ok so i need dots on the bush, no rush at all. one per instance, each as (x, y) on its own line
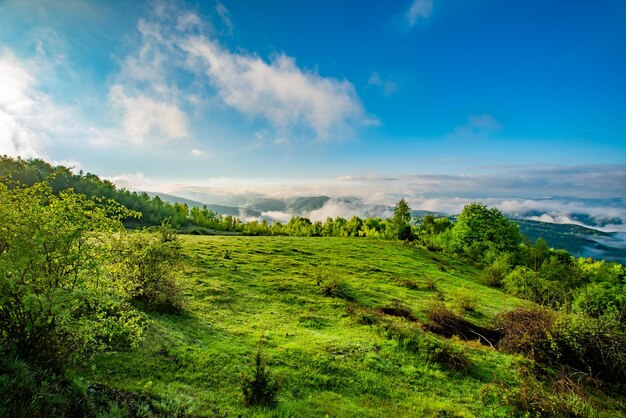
(151, 262)
(449, 324)
(261, 389)
(528, 284)
(446, 353)
(465, 300)
(493, 274)
(57, 301)
(597, 299)
(337, 289)
(528, 331)
(31, 391)
(333, 287)
(596, 346)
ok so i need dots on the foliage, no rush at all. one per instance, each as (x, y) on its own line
(57, 302)
(448, 354)
(261, 389)
(596, 346)
(151, 262)
(30, 391)
(401, 220)
(495, 272)
(603, 298)
(527, 331)
(479, 229)
(465, 300)
(154, 211)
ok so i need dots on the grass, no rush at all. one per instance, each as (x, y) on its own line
(325, 360)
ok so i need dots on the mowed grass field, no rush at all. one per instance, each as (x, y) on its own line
(328, 362)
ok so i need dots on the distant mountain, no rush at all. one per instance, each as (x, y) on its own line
(221, 209)
(578, 240)
(175, 199)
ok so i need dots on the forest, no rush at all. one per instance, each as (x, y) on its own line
(113, 303)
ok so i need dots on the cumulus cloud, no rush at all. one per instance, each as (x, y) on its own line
(278, 90)
(144, 115)
(175, 42)
(134, 181)
(420, 9)
(145, 89)
(197, 152)
(27, 115)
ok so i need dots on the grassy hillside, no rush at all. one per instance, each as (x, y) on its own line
(326, 357)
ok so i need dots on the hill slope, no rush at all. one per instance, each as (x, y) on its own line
(331, 355)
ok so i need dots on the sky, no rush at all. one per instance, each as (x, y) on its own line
(424, 99)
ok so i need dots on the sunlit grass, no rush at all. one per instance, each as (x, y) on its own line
(242, 289)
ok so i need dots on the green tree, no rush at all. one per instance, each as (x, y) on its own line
(480, 230)
(401, 220)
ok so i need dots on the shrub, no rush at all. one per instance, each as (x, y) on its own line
(363, 315)
(446, 353)
(493, 274)
(430, 285)
(597, 299)
(337, 289)
(527, 331)
(333, 287)
(465, 300)
(596, 346)
(57, 301)
(151, 262)
(528, 284)
(261, 389)
(31, 391)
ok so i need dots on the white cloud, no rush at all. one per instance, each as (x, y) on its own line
(134, 181)
(176, 42)
(278, 91)
(145, 88)
(420, 9)
(224, 15)
(277, 216)
(197, 152)
(144, 115)
(25, 112)
(388, 87)
(477, 127)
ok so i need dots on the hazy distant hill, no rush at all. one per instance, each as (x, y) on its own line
(578, 240)
(221, 209)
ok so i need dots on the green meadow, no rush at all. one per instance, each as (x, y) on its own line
(327, 361)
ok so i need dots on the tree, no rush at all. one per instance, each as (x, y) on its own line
(480, 230)
(401, 220)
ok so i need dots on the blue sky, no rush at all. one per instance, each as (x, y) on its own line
(414, 98)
